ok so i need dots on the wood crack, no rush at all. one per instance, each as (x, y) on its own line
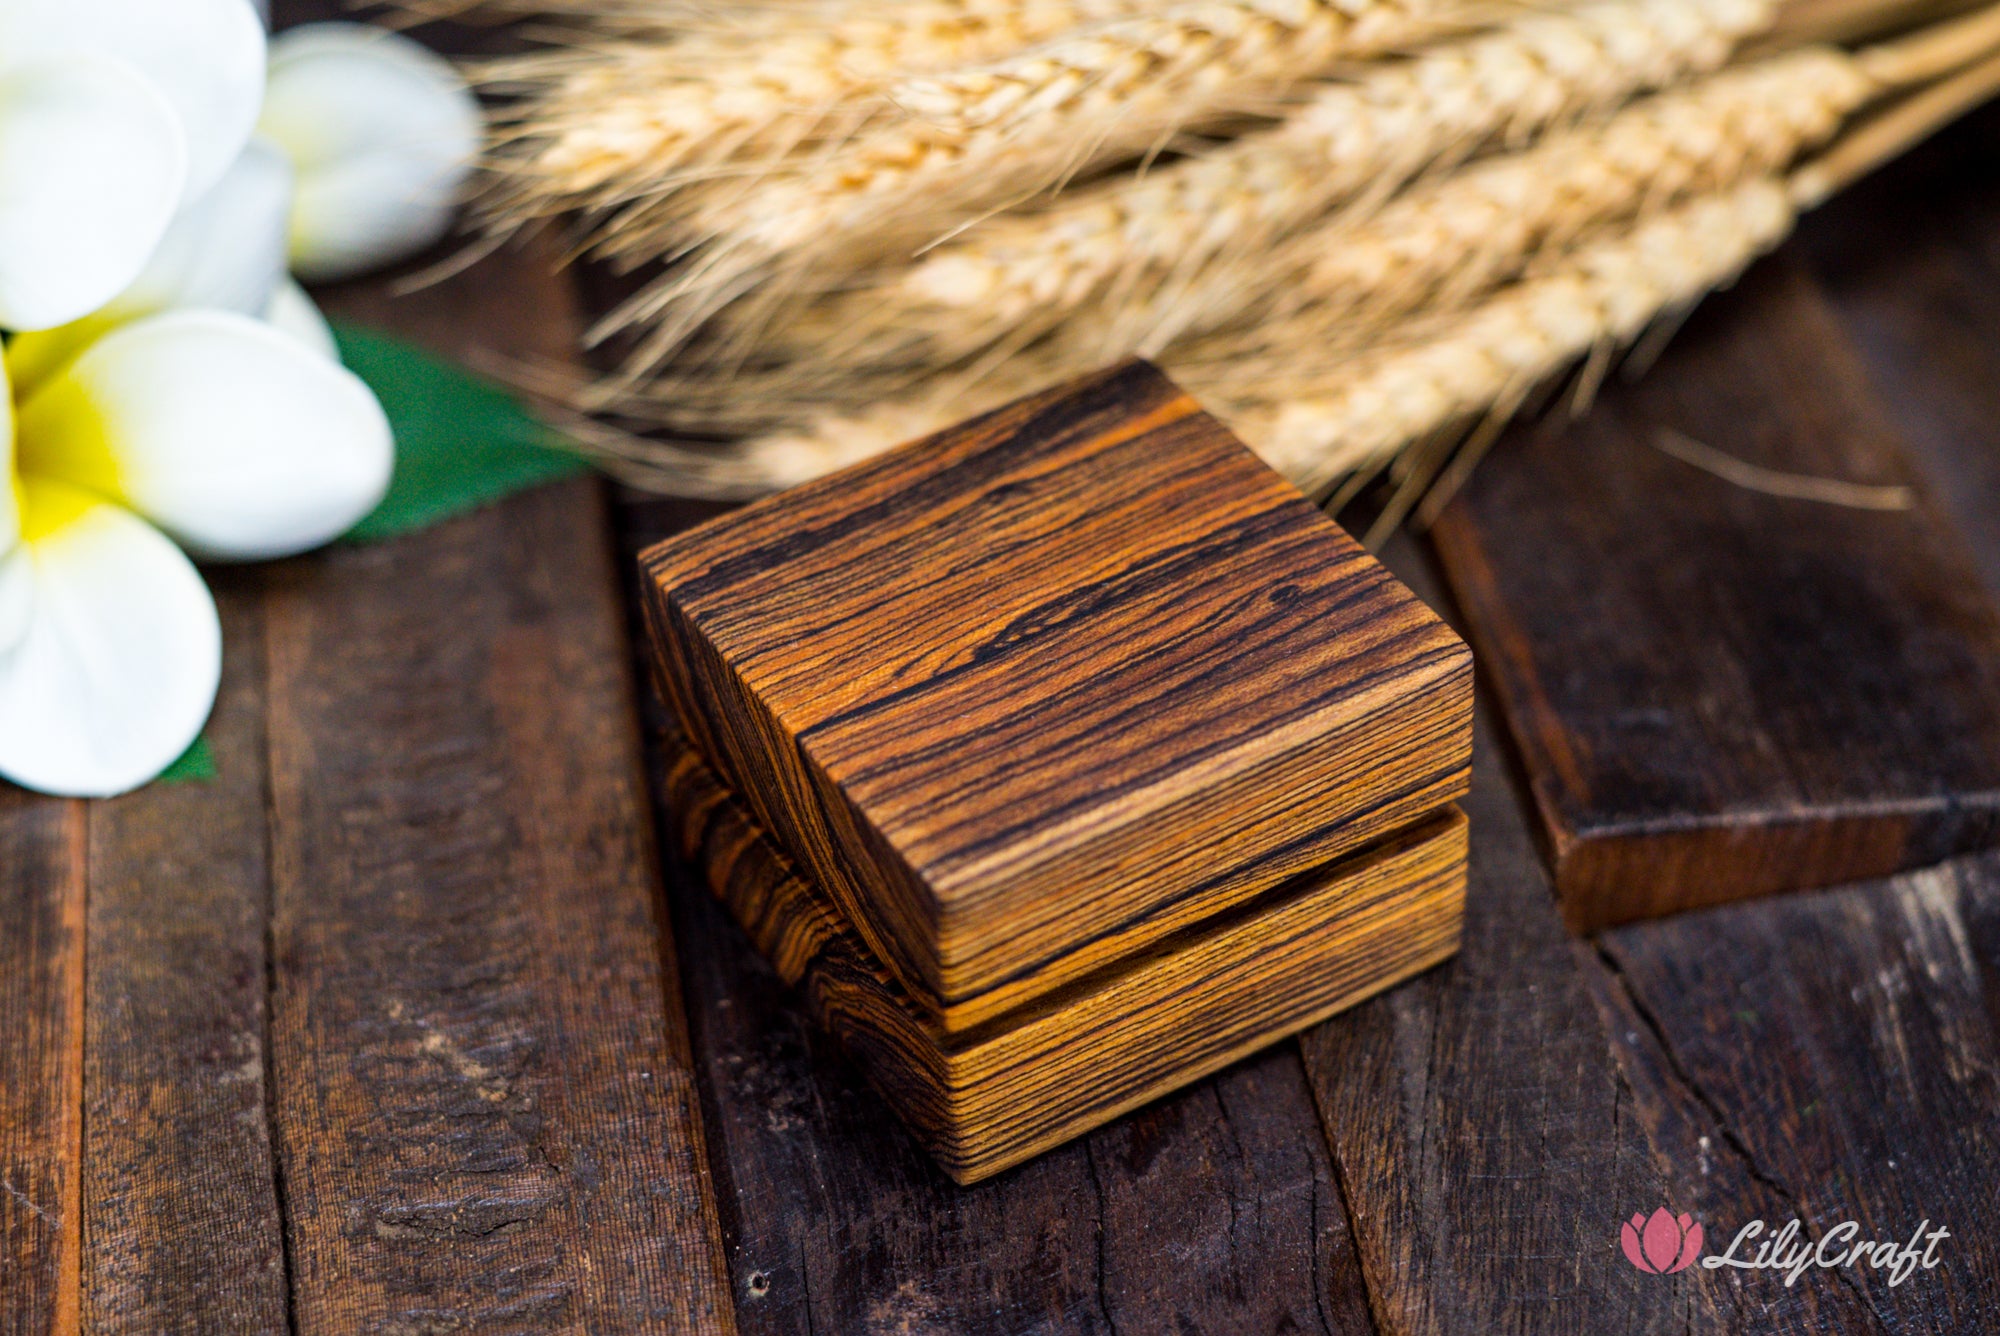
(1097, 1186)
(1713, 1110)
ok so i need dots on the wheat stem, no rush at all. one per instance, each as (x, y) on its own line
(1891, 132)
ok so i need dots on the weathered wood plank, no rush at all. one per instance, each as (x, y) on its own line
(839, 1222)
(1482, 1128)
(1830, 1058)
(181, 1224)
(1718, 692)
(487, 1116)
(42, 871)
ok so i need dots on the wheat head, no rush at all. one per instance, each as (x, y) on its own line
(1316, 418)
(649, 97)
(874, 179)
(1346, 280)
(1136, 238)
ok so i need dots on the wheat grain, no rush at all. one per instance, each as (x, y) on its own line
(1340, 284)
(1133, 260)
(778, 206)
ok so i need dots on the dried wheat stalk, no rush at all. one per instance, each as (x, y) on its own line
(1316, 419)
(1316, 425)
(1131, 242)
(1453, 237)
(1601, 228)
(651, 97)
(1342, 283)
(804, 164)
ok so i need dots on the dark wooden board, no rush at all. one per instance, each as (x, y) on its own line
(1031, 696)
(42, 860)
(181, 1223)
(987, 1099)
(486, 1113)
(1215, 1209)
(1717, 692)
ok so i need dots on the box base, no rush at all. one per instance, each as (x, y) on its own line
(984, 1099)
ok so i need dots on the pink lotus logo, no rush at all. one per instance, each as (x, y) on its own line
(1661, 1243)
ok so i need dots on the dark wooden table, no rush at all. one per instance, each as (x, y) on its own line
(398, 1025)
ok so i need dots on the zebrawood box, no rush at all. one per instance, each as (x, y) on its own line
(1062, 758)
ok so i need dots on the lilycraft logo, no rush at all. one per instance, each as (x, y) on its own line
(1663, 1243)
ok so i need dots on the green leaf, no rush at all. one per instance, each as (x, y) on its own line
(461, 442)
(196, 764)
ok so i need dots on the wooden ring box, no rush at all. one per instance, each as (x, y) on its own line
(1061, 759)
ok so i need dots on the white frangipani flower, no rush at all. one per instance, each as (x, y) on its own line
(382, 132)
(166, 385)
(225, 249)
(111, 113)
(237, 439)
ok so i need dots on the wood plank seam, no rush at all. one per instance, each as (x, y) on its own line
(279, 1186)
(69, 1300)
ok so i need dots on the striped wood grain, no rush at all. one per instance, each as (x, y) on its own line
(983, 1100)
(1035, 694)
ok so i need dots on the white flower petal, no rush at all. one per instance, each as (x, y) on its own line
(382, 131)
(291, 311)
(17, 595)
(225, 250)
(91, 166)
(205, 56)
(116, 668)
(229, 435)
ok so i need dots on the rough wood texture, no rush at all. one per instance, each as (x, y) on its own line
(1717, 692)
(41, 1061)
(984, 1100)
(1829, 1058)
(486, 1114)
(181, 1226)
(1037, 693)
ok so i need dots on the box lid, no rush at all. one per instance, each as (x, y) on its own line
(1033, 694)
